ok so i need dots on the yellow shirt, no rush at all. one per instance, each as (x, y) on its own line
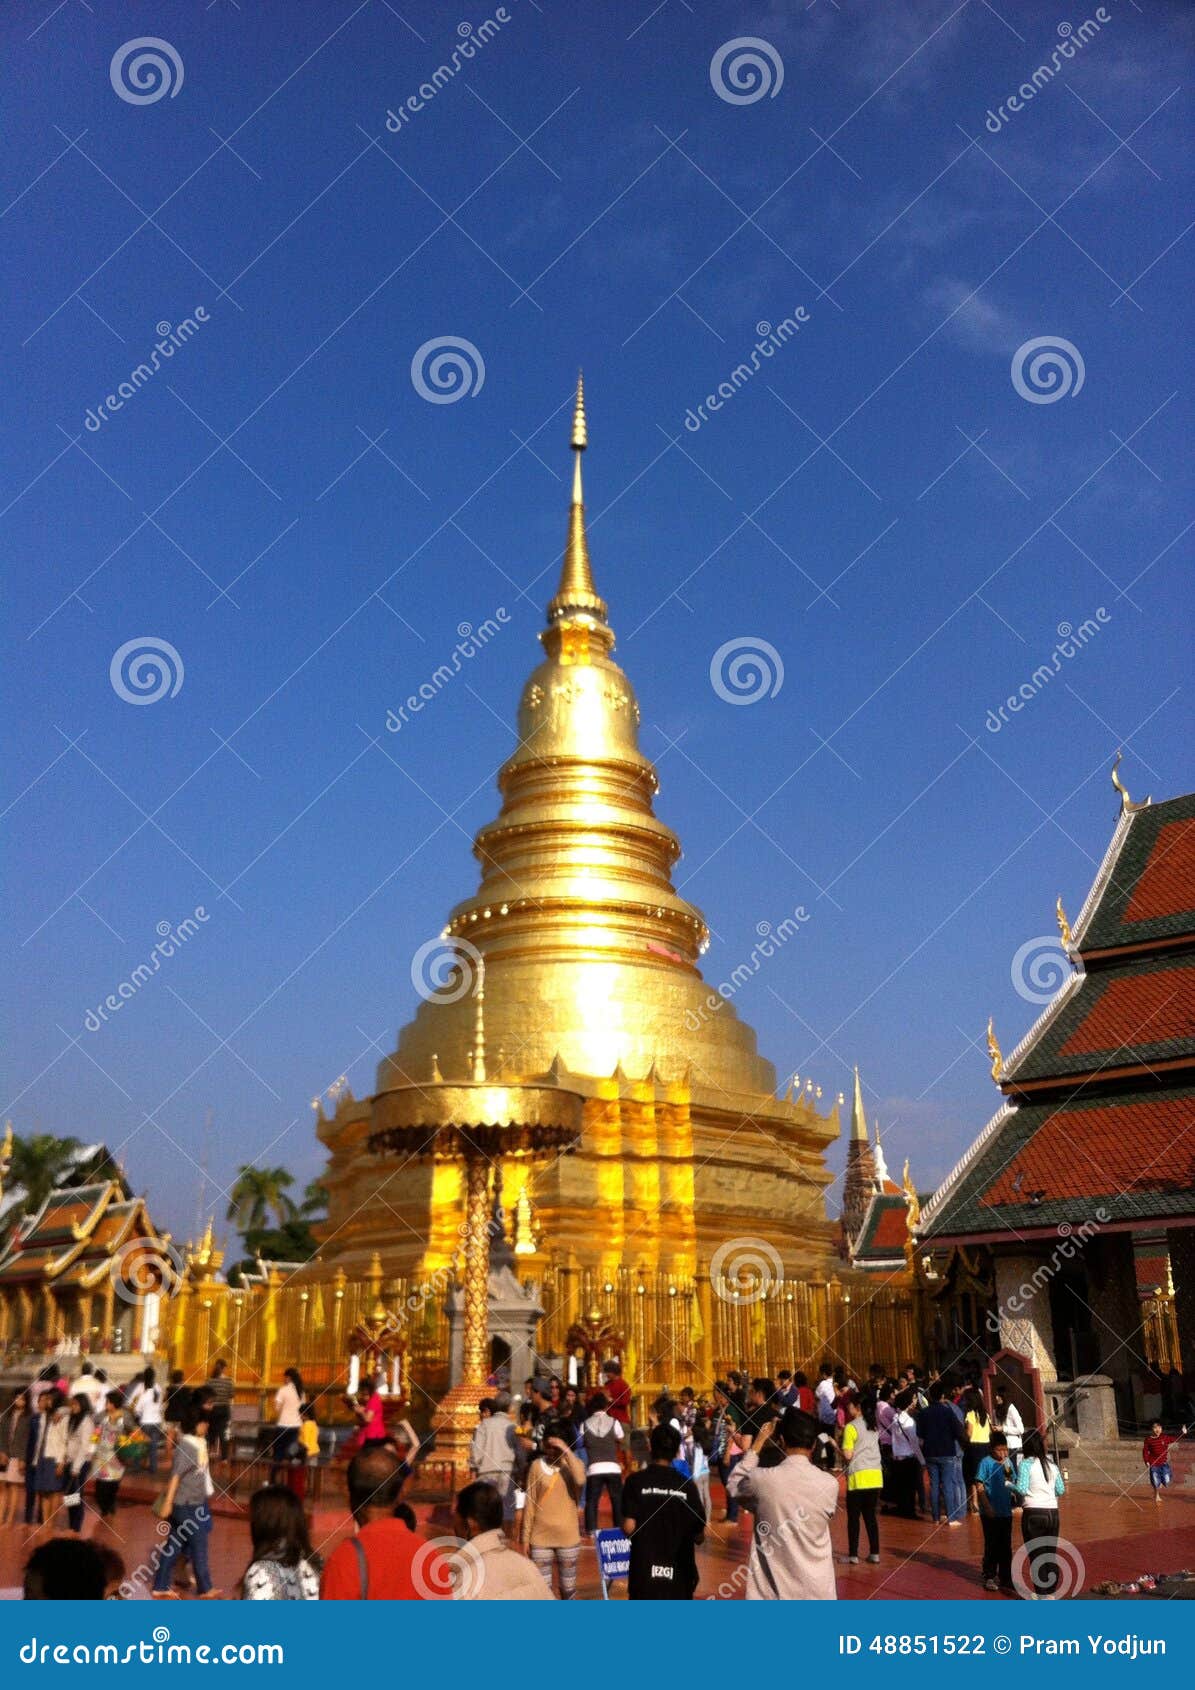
(309, 1438)
(868, 1478)
(975, 1432)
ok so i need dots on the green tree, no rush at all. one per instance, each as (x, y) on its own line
(41, 1162)
(256, 1195)
(315, 1201)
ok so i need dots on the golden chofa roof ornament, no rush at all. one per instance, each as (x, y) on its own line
(995, 1053)
(1064, 927)
(1126, 803)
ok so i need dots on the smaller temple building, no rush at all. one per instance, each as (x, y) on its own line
(86, 1271)
(1075, 1207)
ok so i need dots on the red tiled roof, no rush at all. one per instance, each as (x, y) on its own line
(1146, 1146)
(891, 1230)
(1137, 1009)
(1166, 882)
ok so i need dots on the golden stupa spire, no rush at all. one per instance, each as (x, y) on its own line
(858, 1118)
(577, 592)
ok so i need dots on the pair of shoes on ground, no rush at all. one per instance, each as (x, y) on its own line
(853, 1560)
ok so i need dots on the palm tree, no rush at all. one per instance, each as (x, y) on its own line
(315, 1201)
(256, 1194)
(39, 1164)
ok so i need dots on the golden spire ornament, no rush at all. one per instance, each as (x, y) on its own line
(995, 1053)
(1064, 927)
(912, 1201)
(1126, 803)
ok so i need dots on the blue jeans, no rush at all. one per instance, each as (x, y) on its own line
(189, 1529)
(154, 1434)
(946, 1482)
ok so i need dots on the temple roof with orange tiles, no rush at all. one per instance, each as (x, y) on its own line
(1099, 1117)
(75, 1237)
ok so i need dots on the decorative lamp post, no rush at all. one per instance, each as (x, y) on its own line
(476, 1124)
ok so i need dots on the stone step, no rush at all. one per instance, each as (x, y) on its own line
(1119, 1462)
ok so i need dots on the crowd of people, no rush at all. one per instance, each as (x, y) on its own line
(548, 1471)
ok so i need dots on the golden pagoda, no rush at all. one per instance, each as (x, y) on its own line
(595, 1013)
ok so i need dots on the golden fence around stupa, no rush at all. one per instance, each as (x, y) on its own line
(669, 1330)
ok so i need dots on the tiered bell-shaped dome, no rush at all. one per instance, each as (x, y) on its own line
(590, 953)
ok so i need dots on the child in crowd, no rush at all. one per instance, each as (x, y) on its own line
(993, 1478)
(306, 1453)
(1155, 1452)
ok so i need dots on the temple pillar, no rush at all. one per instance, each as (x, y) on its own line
(456, 1418)
(1022, 1313)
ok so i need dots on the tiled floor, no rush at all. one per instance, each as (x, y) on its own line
(1116, 1536)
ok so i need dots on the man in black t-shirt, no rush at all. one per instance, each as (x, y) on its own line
(663, 1516)
(760, 1423)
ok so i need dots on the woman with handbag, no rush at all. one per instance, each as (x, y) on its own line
(80, 1434)
(186, 1501)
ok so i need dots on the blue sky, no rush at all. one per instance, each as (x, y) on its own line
(879, 502)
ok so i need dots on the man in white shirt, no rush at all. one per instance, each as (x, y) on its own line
(89, 1385)
(827, 1420)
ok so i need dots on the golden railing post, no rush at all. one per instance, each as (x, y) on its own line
(338, 1284)
(269, 1315)
(705, 1344)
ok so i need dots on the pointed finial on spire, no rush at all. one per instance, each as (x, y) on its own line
(858, 1118)
(881, 1164)
(1126, 803)
(580, 434)
(577, 592)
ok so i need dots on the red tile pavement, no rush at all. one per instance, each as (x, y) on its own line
(1117, 1536)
